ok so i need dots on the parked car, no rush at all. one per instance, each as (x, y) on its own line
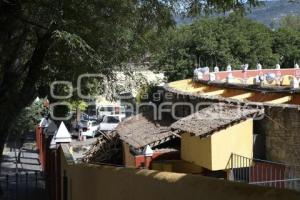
(89, 128)
(110, 122)
(83, 116)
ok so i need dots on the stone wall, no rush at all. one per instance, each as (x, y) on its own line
(281, 127)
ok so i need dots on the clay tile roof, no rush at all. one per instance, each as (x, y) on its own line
(214, 118)
(141, 130)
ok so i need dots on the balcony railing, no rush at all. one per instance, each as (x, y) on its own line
(263, 172)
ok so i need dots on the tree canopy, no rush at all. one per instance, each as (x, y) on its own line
(26, 121)
(220, 41)
(287, 46)
(42, 41)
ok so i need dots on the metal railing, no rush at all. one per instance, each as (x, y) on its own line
(263, 172)
(23, 186)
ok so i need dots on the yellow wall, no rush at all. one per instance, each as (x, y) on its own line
(179, 166)
(86, 181)
(196, 150)
(129, 160)
(188, 85)
(286, 80)
(214, 152)
(162, 166)
(237, 139)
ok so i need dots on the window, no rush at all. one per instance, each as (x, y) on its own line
(108, 109)
(84, 123)
(111, 120)
(94, 123)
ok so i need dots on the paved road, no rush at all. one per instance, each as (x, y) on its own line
(34, 187)
(28, 162)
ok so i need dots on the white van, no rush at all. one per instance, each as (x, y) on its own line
(105, 110)
(110, 122)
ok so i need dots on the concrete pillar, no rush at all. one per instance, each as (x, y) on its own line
(294, 83)
(245, 67)
(216, 69)
(256, 80)
(230, 78)
(228, 68)
(259, 66)
(206, 70)
(212, 77)
(61, 136)
(196, 73)
(199, 75)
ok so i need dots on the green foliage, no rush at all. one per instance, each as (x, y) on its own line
(199, 7)
(28, 119)
(79, 104)
(44, 41)
(95, 36)
(145, 93)
(287, 46)
(215, 41)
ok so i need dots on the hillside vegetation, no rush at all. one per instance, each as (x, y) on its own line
(231, 40)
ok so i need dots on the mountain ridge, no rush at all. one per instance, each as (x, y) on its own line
(274, 11)
(270, 13)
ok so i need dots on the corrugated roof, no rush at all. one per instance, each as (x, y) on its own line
(213, 118)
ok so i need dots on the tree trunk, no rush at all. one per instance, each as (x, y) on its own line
(14, 99)
(78, 114)
(7, 117)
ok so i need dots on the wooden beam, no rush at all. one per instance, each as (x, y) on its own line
(243, 96)
(281, 100)
(216, 92)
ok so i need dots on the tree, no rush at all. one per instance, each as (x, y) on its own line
(28, 118)
(287, 46)
(215, 41)
(42, 41)
(198, 7)
(287, 41)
